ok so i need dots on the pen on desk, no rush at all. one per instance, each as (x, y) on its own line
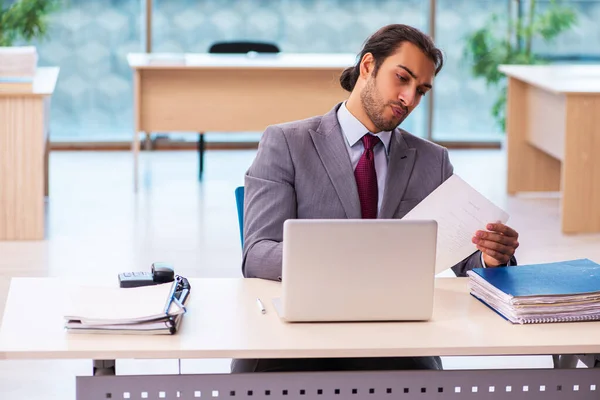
(261, 307)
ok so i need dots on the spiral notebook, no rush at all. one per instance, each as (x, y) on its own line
(567, 291)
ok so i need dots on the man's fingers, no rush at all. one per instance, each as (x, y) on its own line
(495, 246)
(503, 229)
(496, 237)
(499, 243)
(502, 258)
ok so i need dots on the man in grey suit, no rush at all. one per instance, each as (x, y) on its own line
(353, 162)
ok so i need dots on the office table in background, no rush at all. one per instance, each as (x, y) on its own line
(223, 321)
(24, 146)
(553, 128)
(231, 93)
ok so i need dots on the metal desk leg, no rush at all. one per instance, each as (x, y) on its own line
(104, 367)
(590, 360)
(564, 361)
(201, 148)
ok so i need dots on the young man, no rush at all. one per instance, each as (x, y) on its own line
(354, 162)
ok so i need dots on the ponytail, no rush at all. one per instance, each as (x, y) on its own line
(349, 77)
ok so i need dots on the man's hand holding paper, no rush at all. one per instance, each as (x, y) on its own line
(498, 244)
(465, 225)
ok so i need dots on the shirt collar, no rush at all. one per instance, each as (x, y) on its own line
(354, 130)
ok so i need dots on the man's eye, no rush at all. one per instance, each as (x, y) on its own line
(403, 79)
(421, 92)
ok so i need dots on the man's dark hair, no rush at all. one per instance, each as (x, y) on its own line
(384, 43)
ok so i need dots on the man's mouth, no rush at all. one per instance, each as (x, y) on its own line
(399, 112)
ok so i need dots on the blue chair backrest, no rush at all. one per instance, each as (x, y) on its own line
(239, 201)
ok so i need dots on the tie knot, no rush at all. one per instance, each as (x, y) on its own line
(370, 141)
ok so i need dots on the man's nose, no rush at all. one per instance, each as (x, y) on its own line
(407, 97)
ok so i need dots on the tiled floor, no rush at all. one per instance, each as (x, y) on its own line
(97, 225)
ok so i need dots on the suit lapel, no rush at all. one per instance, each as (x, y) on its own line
(330, 146)
(400, 166)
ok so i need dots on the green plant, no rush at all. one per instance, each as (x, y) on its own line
(24, 20)
(508, 39)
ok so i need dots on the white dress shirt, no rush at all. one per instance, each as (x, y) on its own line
(353, 131)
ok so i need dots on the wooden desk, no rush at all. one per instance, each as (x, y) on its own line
(231, 93)
(553, 127)
(223, 321)
(24, 146)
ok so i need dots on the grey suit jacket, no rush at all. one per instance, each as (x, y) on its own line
(303, 170)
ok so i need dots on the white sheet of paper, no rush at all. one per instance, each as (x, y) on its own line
(459, 211)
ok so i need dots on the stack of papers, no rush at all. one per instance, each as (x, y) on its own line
(141, 310)
(567, 291)
(18, 61)
(18, 66)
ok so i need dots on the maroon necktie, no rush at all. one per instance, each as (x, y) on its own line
(366, 178)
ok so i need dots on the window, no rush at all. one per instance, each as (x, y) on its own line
(462, 106)
(89, 41)
(296, 26)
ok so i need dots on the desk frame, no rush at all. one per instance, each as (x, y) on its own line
(523, 384)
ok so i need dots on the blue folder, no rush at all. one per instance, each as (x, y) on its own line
(572, 286)
(559, 278)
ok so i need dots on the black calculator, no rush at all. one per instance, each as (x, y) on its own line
(160, 272)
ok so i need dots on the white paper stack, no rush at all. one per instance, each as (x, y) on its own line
(140, 310)
(18, 62)
(17, 68)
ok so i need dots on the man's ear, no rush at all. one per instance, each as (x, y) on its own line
(367, 65)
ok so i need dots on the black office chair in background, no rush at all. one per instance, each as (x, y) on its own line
(237, 47)
(243, 47)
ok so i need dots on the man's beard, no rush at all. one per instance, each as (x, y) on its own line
(375, 108)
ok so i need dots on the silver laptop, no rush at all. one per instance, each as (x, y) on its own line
(357, 270)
